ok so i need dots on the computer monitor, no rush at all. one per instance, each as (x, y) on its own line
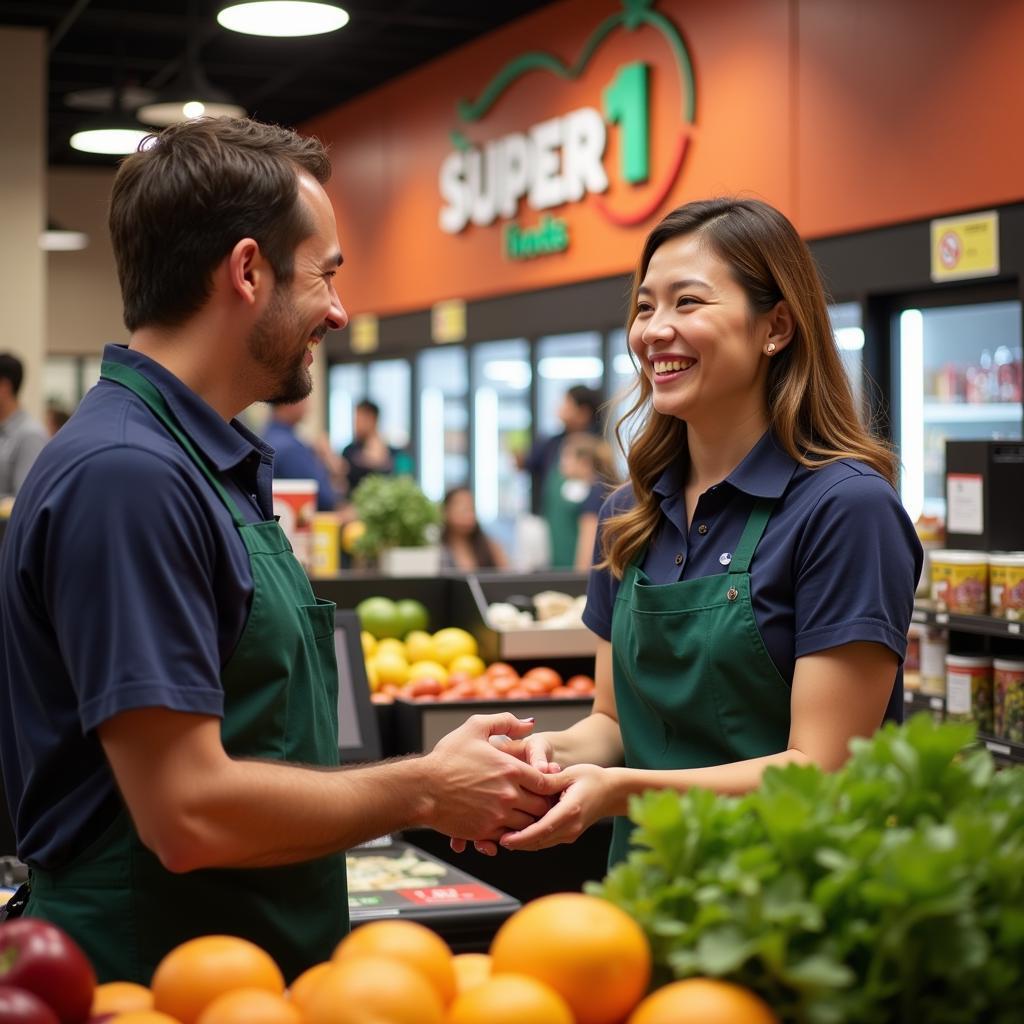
(358, 732)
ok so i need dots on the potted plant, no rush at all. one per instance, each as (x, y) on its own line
(400, 526)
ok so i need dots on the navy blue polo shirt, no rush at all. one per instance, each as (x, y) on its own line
(838, 562)
(123, 584)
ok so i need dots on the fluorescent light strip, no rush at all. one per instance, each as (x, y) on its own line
(912, 411)
(485, 455)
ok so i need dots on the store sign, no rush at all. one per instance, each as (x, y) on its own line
(563, 160)
(965, 246)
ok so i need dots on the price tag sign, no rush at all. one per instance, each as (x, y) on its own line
(449, 895)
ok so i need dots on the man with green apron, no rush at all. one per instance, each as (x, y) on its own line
(168, 694)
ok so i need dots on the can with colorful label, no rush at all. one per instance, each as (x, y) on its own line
(295, 506)
(326, 559)
(934, 648)
(960, 581)
(969, 696)
(1009, 699)
(1006, 584)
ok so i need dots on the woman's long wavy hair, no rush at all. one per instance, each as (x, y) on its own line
(810, 405)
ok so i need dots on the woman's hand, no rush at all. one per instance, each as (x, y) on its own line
(588, 793)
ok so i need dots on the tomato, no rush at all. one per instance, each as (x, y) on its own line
(581, 684)
(500, 668)
(20, 1007)
(519, 693)
(42, 959)
(548, 678)
(425, 687)
(535, 686)
(502, 684)
(563, 693)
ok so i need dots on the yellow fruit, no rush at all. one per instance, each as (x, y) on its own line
(391, 645)
(428, 670)
(369, 644)
(120, 997)
(411, 943)
(350, 533)
(452, 642)
(471, 664)
(371, 676)
(390, 668)
(510, 999)
(588, 950)
(703, 999)
(471, 969)
(419, 646)
(362, 989)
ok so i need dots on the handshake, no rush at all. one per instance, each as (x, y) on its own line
(491, 783)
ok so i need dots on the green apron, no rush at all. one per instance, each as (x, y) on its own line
(694, 684)
(563, 519)
(280, 703)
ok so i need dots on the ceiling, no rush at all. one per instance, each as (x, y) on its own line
(142, 44)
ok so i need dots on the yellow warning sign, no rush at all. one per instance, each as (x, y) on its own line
(965, 246)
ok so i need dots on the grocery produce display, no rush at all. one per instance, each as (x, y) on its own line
(550, 609)
(569, 958)
(891, 890)
(404, 660)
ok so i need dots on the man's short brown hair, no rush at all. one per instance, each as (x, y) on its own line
(181, 204)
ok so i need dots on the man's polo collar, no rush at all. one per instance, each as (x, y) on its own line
(224, 444)
(765, 472)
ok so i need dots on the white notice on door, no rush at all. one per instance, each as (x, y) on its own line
(965, 503)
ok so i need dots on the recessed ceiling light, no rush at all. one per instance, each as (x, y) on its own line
(283, 18)
(109, 141)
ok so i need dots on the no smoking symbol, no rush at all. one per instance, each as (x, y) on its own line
(949, 249)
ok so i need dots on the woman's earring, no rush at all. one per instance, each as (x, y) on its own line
(770, 350)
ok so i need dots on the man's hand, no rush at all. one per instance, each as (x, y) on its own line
(587, 794)
(478, 790)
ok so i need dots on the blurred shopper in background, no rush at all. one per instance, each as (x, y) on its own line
(56, 417)
(758, 570)
(464, 545)
(579, 413)
(587, 467)
(296, 460)
(21, 437)
(369, 453)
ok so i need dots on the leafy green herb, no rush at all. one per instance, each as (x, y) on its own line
(396, 513)
(889, 891)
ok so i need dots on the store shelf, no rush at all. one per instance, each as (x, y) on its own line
(1004, 749)
(985, 625)
(964, 412)
(915, 701)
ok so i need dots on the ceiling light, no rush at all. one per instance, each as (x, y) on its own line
(283, 18)
(189, 96)
(58, 239)
(110, 141)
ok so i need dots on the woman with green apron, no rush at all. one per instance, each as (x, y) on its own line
(757, 573)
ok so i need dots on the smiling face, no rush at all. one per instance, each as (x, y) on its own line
(301, 311)
(696, 338)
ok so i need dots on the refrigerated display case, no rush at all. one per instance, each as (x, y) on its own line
(959, 378)
(563, 361)
(501, 377)
(389, 385)
(443, 434)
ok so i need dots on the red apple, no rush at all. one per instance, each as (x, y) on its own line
(42, 959)
(20, 1007)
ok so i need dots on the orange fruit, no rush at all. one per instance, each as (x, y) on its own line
(412, 943)
(510, 999)
(121, 997)
(251, 1006)
(193, 974)
(365, 989)
(302, 987)
(588, 950)
(145, 1017)
(470, 970)
(706, 1000)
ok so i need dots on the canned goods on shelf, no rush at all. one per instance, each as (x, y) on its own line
(960, 581)
(969, 696)
(1006, 584)
(1008, 685)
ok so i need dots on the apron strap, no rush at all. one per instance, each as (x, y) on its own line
(752, 534)
(134, 381)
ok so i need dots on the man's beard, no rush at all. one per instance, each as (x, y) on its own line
(290, 381)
